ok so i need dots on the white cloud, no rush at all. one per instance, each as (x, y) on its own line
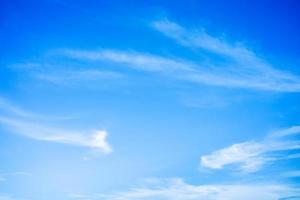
(236, 75)
(132, 59)
(246, 58)
(65, 73)
(10, 108)
(37, 131)
(251, 156)
(201, 39)
(247, 154)
(241, 68)
(32, 128)
(176, 189)
(218, 45)
(246, 69)
(286, 132)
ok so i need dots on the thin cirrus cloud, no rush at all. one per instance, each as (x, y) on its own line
(251, 156)
(177, 189)
(10, 108)
(65, 74)
(27, 124)
(241, 69)
(245, 58)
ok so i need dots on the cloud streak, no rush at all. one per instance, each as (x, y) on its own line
(30, 127)
(251, 156)
(239, 53)
(65, 73)
(12, 109)
(239, 66)
(34, 130)
(231, 75)
(257, 72)
(242, 68)
(177, 189)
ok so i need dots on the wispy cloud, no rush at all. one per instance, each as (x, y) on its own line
(171, 67)
(251, 156)
(131, 59)
(242, 57)
(285, 132)
(177, 189)
(199, 38)
(232, 74)
(244, 69)
(65, 73)
(10, 108)
(240, 67)
(245, 63)
(33, 128)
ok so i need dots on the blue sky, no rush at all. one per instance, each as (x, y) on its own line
(160, 100)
